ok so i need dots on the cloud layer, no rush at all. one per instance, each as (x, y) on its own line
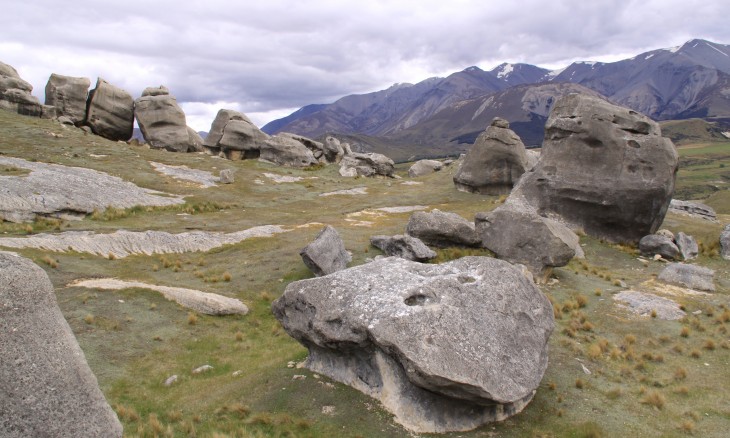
(270, 58)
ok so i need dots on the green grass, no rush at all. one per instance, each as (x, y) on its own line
(136, 338)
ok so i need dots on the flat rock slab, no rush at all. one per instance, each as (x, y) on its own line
(691, 276)
(203, 302)
(46, 386)
(201, 177)
(644, 304)
(444, 347)
(355, 191)
(53, 189)
(124, 243)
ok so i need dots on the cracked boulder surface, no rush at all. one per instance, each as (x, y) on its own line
(444, 347)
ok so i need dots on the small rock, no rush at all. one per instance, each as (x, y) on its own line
(170, 380)
(666, 233)
(424, 167)
(687, 246)
(403, 246)
(299, 377)
(328, 410)
(237, 373)
(226, 176)
(202, 369)
(326, 254)
(654, 244)
(290, 364)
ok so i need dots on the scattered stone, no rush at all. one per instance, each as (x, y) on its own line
(290, 364)
(123, 243)
(202, 369)
(226, 176)
(604, 169)
(282, 178)
(202, 302)
(68, 95)
(654, 244)
(47, 387)
(696, 209)
(411, 183)
(355, 191)
(424, 167)
(442, 229)
(403, 246)
(170, 380)
(687, 246)
(328, 410)
(68, 192)
(15, 93)
(516, 233)
(201, 177)
(725, 242)
(326, 254)
(444, 347)
(163, 122)
(298, 377)
(110, 111)
(646, 304)
(691, 276)
(371, 164)
(68, 121)
(237, 373)
(585, 369)
(495, 162)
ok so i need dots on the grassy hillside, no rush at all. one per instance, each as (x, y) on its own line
(648, 377)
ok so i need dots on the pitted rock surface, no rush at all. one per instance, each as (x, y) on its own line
(46, 388)
(444, 347)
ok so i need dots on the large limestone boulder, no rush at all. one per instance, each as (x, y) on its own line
(370, 164)
(442, 229)
(163, 123)
(424, 167)
(725, 242)
(110, 111)
(333, 150)
(68, 95)
(15, 93)
(326, 253)
(219, 123)
(691, 276)
(516, 233)
(403, 246)
(444, 347)
(494, 163)
(287, 151)
(316, 147)
(603, 168)
(47, 388)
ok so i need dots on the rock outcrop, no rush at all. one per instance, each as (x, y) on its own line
(286, 151)
(68, 95)
(424, 167)
(326, 254)
(110, 111)
(316, 147)
(15, 93)
(163, 123)
(444, 347)
(442, 229)
(495, 162)
(516, 233)
(646, 304)
(403, 246)
(696, 209)
(691, 276)
(370, 164)
(725, 242)
(604, 169)
(654, 244)
(333, 150)
(68, 192)
(47, 387)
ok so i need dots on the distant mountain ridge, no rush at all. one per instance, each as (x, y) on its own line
(691, 80)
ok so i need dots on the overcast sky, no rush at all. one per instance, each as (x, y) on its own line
(267, 58)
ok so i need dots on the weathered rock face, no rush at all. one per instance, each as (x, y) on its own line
(241, 140)
(444, 347)
(333, 150)
(662, 245)
(15, 93)
(494, 163)
(516, 233)
(163, 123)
(725, 242)
(370, 164)
(286, 151)
(442, 229)
(316, 147)
(46, 386)
(68, 95)
(424, 167)
(691, 276)
(110, 111)
(603, 168)
(696, 209)
(687, 246)
(403, 246)
(326, 254)
(219, 123)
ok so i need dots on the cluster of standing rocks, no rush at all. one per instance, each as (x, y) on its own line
(444, 347)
